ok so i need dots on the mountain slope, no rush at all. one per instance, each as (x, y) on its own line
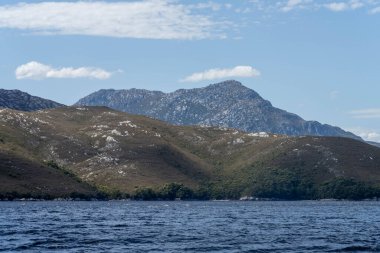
(18, 100)
(225, 104)
(115, 151)
(24, 178)
(376, 144)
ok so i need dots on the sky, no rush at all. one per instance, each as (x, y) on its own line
(319, 59)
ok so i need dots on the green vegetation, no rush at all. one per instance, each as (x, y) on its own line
(112, 155)
(341, 188)
(145, 193)
(335, 189)
(276, 183)
(54, 165)
(171, 191)
(270, 189)
(112, 193)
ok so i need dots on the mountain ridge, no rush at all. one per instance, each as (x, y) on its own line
(120, 152)
(19, 100)
(225, 104)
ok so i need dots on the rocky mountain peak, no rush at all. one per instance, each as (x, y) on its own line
(231, 87)
(225, 104)
(230, 84)
(18, 100)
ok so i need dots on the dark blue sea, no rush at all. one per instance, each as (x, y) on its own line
(126, 226)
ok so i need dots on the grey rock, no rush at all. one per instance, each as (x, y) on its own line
(18, 100)
(225, 104)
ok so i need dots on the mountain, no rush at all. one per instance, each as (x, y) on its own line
(376, 144)
(225, 104)
(120, 153)
(18, 100)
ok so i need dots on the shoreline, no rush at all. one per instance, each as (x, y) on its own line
(187, 200)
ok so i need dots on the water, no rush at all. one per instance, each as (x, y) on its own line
(190, 226)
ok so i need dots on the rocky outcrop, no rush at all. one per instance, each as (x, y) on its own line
(225, 104)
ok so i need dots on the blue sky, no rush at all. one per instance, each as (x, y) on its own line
(318, 59)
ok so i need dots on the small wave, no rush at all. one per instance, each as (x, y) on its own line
(356, 248)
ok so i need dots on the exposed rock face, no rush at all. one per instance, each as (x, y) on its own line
(225, 104)
(18, 100)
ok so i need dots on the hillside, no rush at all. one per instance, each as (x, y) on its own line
(376, 144)
(18, 100)
(24, 178)
(225, 104)
(122, 153)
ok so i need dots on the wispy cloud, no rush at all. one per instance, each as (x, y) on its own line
(293, 4)
(366, 134)
(212, 74)
(375, 10)
(336, 6)
(342, 6)
(315, 5)
(370, 113)
(149, 19)
(39, 71)
(207, 5)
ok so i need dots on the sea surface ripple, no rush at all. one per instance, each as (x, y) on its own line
(233, 226)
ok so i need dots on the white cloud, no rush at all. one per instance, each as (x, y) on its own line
(207, 5)
(356, 4)
(292, 4)
(315, 5)
(38, 71)
(342, 6)
(336, 6)
(375, 10)
(370, 113)
(149, 19)
(366, 134)
(212, 74)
